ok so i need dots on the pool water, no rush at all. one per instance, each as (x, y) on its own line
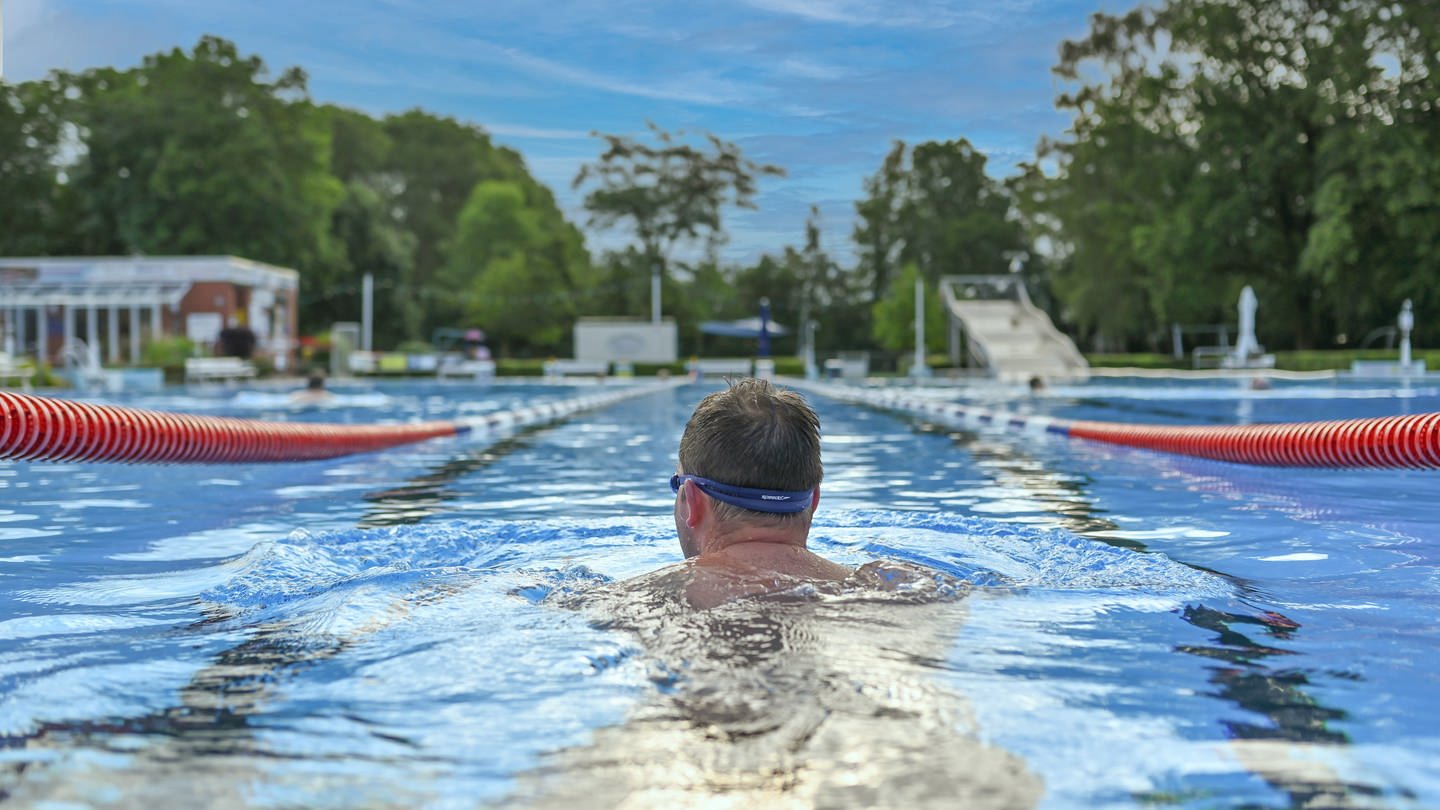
(469, 622)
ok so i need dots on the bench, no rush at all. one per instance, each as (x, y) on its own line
(457, 367)
(562, 368)
(202, 369)
(849, 368)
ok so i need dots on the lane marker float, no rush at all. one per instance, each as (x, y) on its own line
(36, 428)
(1411, 441)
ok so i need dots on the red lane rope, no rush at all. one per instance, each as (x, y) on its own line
(1380, 442)
(41, 429)
(1387, 441)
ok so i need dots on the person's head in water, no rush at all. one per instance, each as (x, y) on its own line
(752, 453)
(314, 390)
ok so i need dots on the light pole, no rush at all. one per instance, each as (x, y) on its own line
(367, 312)
(1406, 322)
(918, 368)
(812, 372)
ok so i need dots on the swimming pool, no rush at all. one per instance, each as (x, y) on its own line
(401, 628)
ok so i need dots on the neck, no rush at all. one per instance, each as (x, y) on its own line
(751, 537)
(769, 552)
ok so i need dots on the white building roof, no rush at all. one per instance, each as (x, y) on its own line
(126, 281)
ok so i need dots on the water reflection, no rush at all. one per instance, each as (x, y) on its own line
(1273, 751)
(1013, 472)
(216, 739)
(803, 700)
(425, 495)
(1282, 750)
(199, 752)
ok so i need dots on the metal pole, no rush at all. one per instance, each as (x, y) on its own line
(919, 369)
(69, 329)
(135, 334)
(812, 371)
(367, 311)
(92, 332)
(1406, 322)
(655, 293)
(112, 328)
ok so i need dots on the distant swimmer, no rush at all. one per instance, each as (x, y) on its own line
(314, 390)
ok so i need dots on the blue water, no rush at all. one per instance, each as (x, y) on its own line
(457, 623)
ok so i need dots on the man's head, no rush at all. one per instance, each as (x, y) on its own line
(754, 436)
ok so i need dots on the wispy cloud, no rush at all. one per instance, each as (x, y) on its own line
(885, 14)
(540, 133)
(820, 87)
(802, 68)
(694, 88)
(831, 11)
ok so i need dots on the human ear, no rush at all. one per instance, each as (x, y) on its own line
(696, 504)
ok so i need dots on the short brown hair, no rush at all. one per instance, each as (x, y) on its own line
(753, 435)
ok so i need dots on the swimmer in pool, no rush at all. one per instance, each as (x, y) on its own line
(314, 390)
(746, 489)
(788, 680)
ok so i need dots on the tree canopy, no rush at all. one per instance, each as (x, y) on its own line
(206, 153)
(1291, 145)
(1287, 145)
(670, 192)
(931, 209)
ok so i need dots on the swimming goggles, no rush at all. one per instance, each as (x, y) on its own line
(760, 500)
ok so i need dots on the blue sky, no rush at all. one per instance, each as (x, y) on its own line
(819, 87)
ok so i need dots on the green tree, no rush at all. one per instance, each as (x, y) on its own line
(670, 192)
(935, 210)
(369, 238)
(955, 218)
(1219, 143)
(778, 279)
(31, 124)
(205, 153)
(622, 284)
(199, 154)
(894, 315)
(433, 165)
(826, 292)
(519, 273)
(878, 237)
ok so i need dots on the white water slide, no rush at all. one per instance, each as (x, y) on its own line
(1009, 335)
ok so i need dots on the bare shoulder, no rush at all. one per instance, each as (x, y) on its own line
(894, 576)
(701, 584)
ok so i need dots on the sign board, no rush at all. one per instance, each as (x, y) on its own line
(204, 327)
(625, 340)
